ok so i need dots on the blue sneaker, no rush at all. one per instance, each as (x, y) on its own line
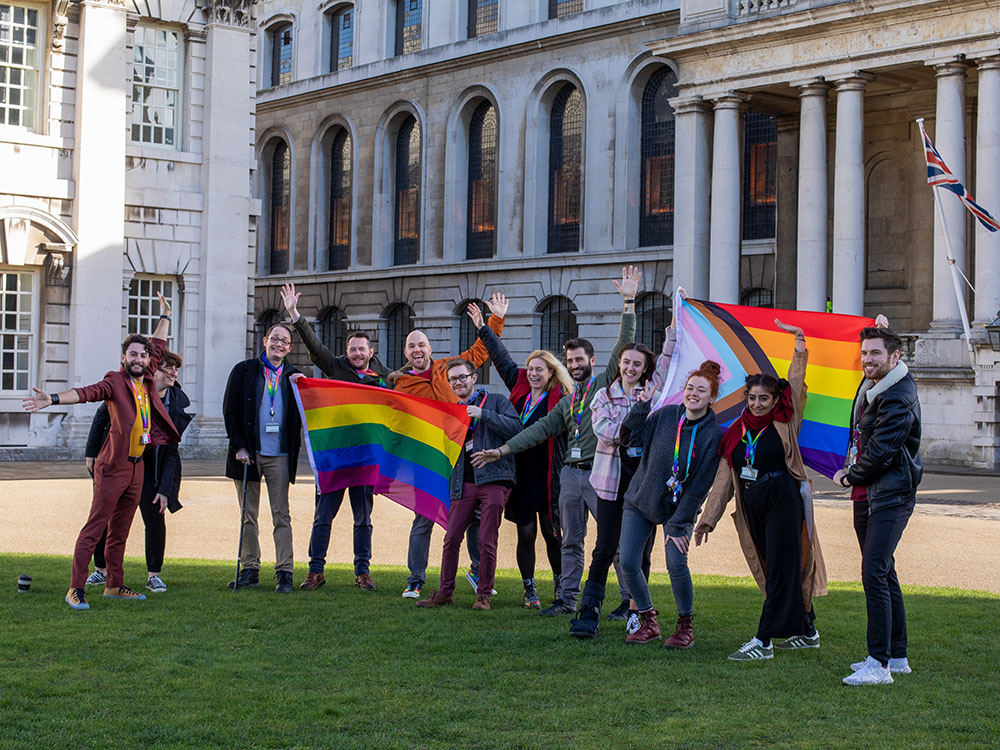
(412, 591)
(474, 582)
(76, 599)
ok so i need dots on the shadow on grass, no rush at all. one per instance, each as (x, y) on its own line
(201, 667)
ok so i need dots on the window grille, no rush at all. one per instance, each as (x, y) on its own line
(484, 132)
(558, 323)
(332, 325)
(281, 55)
(652, 316)
(398, 324)
(342, 39)
(409, 26)
(560, 8)
(16, 329)
(467, 335)
(406, 246)
(20, 65)
(341, 176)
(156, 85)
(757, 297)
(760, 176)
(281, 199)
(144, 306)
(656, 208)
(565, 158)
(483, 18)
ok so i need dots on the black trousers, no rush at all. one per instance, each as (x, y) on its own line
(156, 533)
(609, 531)
(879, 534)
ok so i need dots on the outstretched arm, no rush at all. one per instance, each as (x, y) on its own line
(163, 326)
(477, 353)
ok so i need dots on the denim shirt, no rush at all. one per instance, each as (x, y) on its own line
(497, 425)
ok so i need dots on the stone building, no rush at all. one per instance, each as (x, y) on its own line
(414, 155)
(126, 162)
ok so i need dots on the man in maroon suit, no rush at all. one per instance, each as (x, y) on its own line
(138, 419)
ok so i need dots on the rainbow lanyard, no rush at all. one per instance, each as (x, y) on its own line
(677, 452)
(142, 403)
(272, 385)
(578, 415)
(475, 420)
(751, 443)
(529, 408)
(370, 373)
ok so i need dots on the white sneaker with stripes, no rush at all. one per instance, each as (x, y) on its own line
(753, 650)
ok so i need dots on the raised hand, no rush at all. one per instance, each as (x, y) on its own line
(645, 393)
(629, 285)
(881, 321)
(475, 315)
(165, 308)
(498, 304)
(290, 299)
(673, 313)
(800, 337)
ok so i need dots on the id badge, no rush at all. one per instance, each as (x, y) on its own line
(749, 473)
(468, 447)
(272, 427)
(634, 452)
(144, 438)
(674, 485)
(575, 453)
(852, 456)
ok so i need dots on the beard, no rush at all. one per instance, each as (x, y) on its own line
(584, 374)
(135, 369)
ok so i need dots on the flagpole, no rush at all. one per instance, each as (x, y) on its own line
(951, 259)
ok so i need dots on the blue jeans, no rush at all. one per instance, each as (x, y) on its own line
(635, 532)
(420, 544)
(327, 506)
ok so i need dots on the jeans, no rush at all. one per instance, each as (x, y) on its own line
(576, 499)
(489, 500)
(878, 534)
(636, 530)
(420, 545)
(327, 506)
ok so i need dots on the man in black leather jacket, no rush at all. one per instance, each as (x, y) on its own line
(883, 470)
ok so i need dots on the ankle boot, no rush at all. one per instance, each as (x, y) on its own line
(683, 637)
(587, 622)
(648, 629)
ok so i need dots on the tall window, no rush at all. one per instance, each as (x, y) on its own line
(565, 158)
(652, 316)
(20, 65)
(342, 38)
(398, 324)
(16, 289)
(156, 85)
(409, 26)
(281, 54)
(267, 319)
(760, 176)
(483, 17)
(332, 327)
(406, 224)
(484, 133)
(558, 319)
(467, 335)
(656, 201)
(341, 171)
(144, 306)
(280, 208)
(560, 8)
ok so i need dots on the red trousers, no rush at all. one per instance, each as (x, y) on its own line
(116, 496)
(490, 499)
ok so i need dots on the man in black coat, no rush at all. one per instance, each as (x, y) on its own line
(883, 469)
(161, 481)
(263, 426)
(359, 365)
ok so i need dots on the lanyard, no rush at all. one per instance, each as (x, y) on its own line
(677, 450)
(528, 408)
(751, 443)
(372, 374)
(141, 396)
(578, 416)
(272, 385)
(475, 420)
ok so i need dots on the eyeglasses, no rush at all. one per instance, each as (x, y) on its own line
(279, 342)
(460, 378)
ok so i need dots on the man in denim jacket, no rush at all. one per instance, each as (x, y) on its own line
(494, 421)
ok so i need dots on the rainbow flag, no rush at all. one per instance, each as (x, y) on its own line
(745, 340)
(404, 446)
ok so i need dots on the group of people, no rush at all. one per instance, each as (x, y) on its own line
(567, 443)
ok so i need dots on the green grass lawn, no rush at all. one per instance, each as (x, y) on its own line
(200, 667)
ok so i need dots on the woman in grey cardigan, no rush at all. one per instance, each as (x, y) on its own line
(680, 454)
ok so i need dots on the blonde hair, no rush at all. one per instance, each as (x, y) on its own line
(559, 373)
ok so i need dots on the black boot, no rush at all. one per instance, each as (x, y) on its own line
(587, 622)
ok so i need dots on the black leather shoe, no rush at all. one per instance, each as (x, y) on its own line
(248, 577)
(559, 608)
(284, 582)
(620, 612)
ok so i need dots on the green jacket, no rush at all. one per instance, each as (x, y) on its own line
(578, 436)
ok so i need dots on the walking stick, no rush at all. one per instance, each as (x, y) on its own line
(243, 515)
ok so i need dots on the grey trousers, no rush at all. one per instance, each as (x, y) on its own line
(577, 498)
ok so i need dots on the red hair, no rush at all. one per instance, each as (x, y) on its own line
(710, 371)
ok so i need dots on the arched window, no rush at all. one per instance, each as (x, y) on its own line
(558, 321)
(280, 201)
(398, 324)
(467, 334)
(656, 202)
(409, 26)
(565, 159)
(342, 38)
(267, 319)
(332, 328)
(652, 316)
(484, 134)
(281, 54)
(341, 174)
(560, 8)
(483, 18)
(757, 296)
(406, 224)
(760, 176)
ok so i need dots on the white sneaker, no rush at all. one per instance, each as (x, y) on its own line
(870, 673)
(753, 650)
(96, 578)
(633, 623)
(896, 666)
(155, 584)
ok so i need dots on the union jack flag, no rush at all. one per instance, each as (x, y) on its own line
(938, 175)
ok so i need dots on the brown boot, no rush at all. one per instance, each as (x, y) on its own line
(648, 629)
(364, 582)
(482, 602)
(683, 637)
(313, 581)
(437, 599)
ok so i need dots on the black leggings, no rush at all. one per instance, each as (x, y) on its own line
(609, 530)
(526, 535)
(156, 534)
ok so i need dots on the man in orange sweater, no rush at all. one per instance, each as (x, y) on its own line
(428, 377)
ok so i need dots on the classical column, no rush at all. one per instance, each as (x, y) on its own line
(849, 197)
(692, 188)
(724, 244)
(949, 138)
(987, 192)
(810, 277)
(785, 244)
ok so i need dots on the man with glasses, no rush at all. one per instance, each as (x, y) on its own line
(264, 429)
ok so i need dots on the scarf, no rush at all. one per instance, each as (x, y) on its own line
(783, 411)
(268, 365)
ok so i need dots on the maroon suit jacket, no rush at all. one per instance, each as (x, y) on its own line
(115, 389)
